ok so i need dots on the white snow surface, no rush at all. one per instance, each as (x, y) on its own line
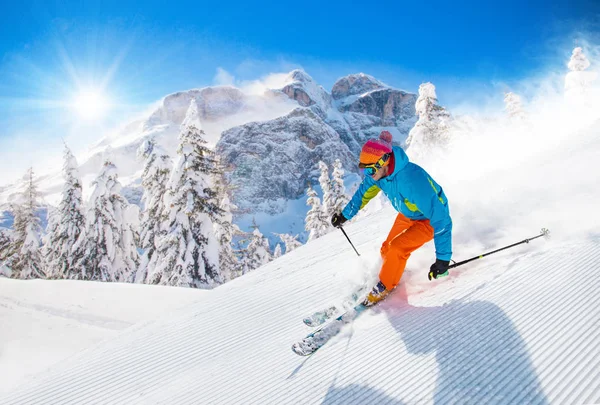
(42, 322)
(518, 328)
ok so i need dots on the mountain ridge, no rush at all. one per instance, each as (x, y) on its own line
(226, 110)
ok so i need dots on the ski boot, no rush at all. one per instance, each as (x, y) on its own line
(378, 293)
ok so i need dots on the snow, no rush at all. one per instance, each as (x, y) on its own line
(44, 322)
(493, 328)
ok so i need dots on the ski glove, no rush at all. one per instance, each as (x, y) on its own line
(337, 220)
(438, 269)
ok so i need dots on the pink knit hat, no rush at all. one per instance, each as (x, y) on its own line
(374, 149)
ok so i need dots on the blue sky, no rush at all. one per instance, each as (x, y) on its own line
(138, 52)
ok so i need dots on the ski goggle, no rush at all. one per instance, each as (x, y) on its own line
(371, 169)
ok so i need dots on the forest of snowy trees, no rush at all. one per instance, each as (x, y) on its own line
(183, 236)
(184, 233)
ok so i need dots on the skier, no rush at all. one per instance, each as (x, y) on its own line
(422, 207)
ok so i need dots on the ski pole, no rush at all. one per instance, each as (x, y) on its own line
(545, 232)
(349, 241)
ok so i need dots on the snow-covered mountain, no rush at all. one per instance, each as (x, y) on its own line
(294, 145)
(292, 125)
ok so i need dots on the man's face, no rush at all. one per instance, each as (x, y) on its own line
(380, 173)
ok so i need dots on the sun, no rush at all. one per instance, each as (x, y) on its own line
(91, 104)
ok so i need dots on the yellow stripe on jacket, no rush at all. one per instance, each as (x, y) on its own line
(369, 195)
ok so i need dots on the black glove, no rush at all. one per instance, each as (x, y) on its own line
(338, 220)
(438, 269)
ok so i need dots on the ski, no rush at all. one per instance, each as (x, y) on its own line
(317, 339)
(320, 317)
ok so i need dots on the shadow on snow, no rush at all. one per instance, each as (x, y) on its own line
(480, 355)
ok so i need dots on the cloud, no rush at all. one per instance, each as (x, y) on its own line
(270, 81)
(250, 68)
(223, 78)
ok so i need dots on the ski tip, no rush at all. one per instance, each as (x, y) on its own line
(299, 350)
(305, 347)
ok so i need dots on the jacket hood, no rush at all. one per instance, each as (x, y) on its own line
(400, 160)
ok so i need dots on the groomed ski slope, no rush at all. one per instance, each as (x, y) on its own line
(515, 329)
(518, 327)
(42, 323)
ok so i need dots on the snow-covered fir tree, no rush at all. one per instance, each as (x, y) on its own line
(27, 260)
(290, 242)
(325, 183)
(188, 253)
(6, 251)
(225, 230)
(241, 253)
(51, 226)
(107, 247)
(337, 195)
(131, 236)
(5, 244)
(155, 178)
(514, 107)
(578, 62)
(316, 222)
(277, 252)
(578, 81)
(433, 127)
(258, 252)
(65, 224)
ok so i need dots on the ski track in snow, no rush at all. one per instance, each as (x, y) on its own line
(517, 328)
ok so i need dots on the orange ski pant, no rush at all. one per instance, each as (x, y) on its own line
(405, 237)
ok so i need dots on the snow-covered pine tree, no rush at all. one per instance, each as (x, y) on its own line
(5, 244)
(242, 255)
(433, 127)
(65, 224)
(578, 62)
(316, 223)
(131, 237)
(188, 254)
(578, 81)
(224, 227)
(338, 198)
(6, 251)
(155, 178)
(290, 242)
(106, 248)
(225, 230)
(277, 252)
(325, 183)
(514, 107)
(27, 261)
(51, 225)
(258, 252)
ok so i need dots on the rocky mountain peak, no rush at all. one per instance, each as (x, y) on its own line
(303, 89)
(355, 84)
(299, 75)
(213, 102)
(271, 162)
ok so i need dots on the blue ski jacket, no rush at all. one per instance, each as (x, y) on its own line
(415, 194)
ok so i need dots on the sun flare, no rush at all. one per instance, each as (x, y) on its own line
(90, 104)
